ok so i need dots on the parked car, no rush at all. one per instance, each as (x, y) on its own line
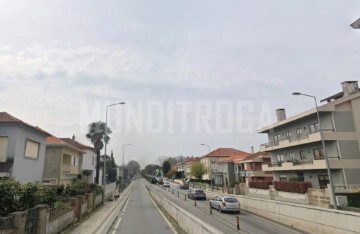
(166, 184)
(225, 203)
(196, 194)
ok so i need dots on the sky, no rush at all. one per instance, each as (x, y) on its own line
(190, 72)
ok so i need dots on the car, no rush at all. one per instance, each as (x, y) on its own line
(225, 203)
(166, 184)
(196, 194)
(160, 180)
(184, 185)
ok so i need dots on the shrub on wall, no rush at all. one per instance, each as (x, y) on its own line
(259, 184)
(292, 186)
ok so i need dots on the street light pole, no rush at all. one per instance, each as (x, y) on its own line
(324, 148)
(210, 177)
(123, 157)
(105, 156)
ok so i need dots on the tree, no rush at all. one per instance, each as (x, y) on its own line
(97, 135)
(150, 169)
(166, 167)
(133, 168)
(197, 170)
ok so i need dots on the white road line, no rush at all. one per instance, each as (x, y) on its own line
(161, 213)
(120, 218)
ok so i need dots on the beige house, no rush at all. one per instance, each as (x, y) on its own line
(62, 162)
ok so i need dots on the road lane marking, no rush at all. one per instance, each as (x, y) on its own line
(121, 216)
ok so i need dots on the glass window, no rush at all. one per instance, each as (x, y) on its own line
(298, 132)
(283, 178)
(291, 156)
(4, 141)
(318, 154)
(302, 155)
(280, 158)
(32, 149)
(323, 181)
(236, 169)
(314, 128)
(288, 135)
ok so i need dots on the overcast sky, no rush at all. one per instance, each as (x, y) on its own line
(190, 71)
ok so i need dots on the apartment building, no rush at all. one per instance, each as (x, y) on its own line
(295, 143)
(250, 167)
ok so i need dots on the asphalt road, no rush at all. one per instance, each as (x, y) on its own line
(225, 222)
(140, 215)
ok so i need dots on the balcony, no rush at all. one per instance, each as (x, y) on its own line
(329, 135)
(69, 169)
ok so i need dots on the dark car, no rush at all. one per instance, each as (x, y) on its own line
(197, 194)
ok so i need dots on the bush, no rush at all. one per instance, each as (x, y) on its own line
(259, 184)
(292, 186)
(10, 191)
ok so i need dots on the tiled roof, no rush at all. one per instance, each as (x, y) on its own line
(191, 160)
(77, 144)
(253, 156)
(54, 141)
(235, 158)
(225, 152)
(6, 118)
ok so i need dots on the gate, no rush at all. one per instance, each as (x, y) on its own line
(32, 221)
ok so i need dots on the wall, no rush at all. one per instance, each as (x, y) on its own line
(53, 160)
(16, 150)
(61, 222)
(307, 218)
(87, 163)
(344, 121)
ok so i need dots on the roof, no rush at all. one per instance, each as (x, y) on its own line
(235, 158)
(224, 152)
(191, 160)
(253, 157)
(77, 144)
(6, 118)
(54, 141)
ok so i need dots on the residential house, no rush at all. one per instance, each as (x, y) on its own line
(295, 143)
(22, 149)
(181, 167)
(62, 162)
(229, 170)
(88, 162)
(249, 168)
(212, 160)
(187, 163)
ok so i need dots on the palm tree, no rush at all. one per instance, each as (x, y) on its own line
(96, 134)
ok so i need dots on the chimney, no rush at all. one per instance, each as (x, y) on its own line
(280, 114)
(73, 137)
(350, 87)
(252, 149)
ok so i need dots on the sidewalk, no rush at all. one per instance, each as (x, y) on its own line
(99, 220)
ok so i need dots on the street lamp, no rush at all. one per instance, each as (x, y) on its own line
(356, 24)
(105, 141)
(123, 158)
(210, 177)
(323, 145)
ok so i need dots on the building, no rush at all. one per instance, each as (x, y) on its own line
(296, 148)
(187, 163)
(88, 162)
(228, 172)
(22, 149)
(249, 168)
(62, 162)
(212, 160)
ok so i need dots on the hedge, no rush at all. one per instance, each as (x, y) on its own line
(292, 186)
(259, 184)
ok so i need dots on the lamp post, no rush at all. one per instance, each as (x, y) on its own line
(210, 177)
(123, 158)
(105, 142)
(323, 145)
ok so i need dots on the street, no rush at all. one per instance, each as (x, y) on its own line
(140, 215)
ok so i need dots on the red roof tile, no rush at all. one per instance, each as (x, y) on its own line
(6, 118)
(225, 152)
(77, 144)
(253, 156)
(235, 158)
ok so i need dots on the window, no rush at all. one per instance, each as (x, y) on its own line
(93, 160)
(236, 169)
(4, 141)
(323, 181)
(300, 176)
(283, 178)
(288, 135)
(302, 155)
(32, 149)
(276, 139)
(298, 132)
(314, 128)
(280, 158)
(318, 154)
(213, 161)
(291, 156)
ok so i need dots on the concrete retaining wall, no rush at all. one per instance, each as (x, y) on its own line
(61, 222)
(188, 222)
(308, 218)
